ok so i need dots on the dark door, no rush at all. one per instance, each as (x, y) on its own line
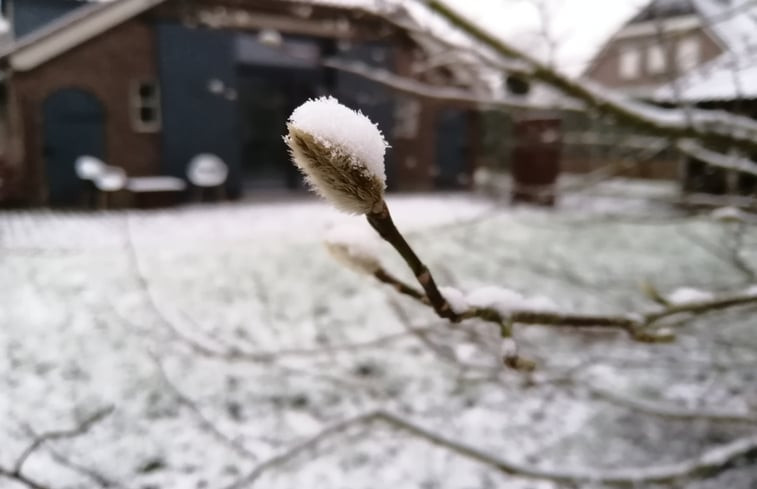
(452, 149)
(267, 97)
(73, 126)
(536, 160)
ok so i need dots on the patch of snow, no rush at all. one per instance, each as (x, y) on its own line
(505, 301)
(508, 348)
(751, 290)
(500, 299)
(455, 298)
(252, 277)
(688, 295)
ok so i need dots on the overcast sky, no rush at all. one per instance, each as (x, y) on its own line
(579, 27)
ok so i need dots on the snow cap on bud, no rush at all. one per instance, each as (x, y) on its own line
(340, 152)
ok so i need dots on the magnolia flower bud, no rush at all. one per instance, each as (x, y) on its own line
(355, 247)
(354, 258)
(340, 152)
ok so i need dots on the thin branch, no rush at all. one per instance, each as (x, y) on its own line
(45, 437)
(410, 86)
(16, 473)
(382, 222)
(669, 412)
(21, 478)
(92, 474)
(718, 160)
(311, 443)
(707, 464)
(638, 326)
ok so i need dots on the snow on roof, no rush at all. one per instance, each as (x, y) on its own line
(725, 78)
(658, 9)
(734, 23)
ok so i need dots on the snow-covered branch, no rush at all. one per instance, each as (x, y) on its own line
(719, 160)
(411, 86)
(509, 311)
(708, 126)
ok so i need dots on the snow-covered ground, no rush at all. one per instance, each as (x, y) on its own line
(235, 315)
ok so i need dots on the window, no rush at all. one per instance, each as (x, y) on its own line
(145, 106)
(656, 59)
(687, 54)
(630, 59)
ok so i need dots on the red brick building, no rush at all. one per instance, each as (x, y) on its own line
(146, 84)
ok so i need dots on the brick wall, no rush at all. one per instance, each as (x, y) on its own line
(606, 67)
(106, 66)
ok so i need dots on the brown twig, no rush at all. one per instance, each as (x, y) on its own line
(382, 222)
(640, 327)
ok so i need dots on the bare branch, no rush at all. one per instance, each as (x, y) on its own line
(21, 478)
(16, 473)
(420, 89)
(639, 326)
(74, 432)
(670, 412)
(708, 463)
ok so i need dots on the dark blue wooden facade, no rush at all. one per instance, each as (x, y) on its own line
(195, 119)
(27, 16)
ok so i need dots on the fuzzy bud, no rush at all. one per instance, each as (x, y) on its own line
(354, 258)
(340, 152)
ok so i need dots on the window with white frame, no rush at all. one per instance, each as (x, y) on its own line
(687, 54)
(145, 106)
(630, 62)
(656, 62)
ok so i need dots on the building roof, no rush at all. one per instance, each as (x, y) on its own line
(663, 9)
(71, 30)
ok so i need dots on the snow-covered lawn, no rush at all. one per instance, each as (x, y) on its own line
(235, 316)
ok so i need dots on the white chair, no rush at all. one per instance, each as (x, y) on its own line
(207, 171)
(89, 167)
(111, 180)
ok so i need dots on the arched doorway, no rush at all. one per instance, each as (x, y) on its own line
(73, 126)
